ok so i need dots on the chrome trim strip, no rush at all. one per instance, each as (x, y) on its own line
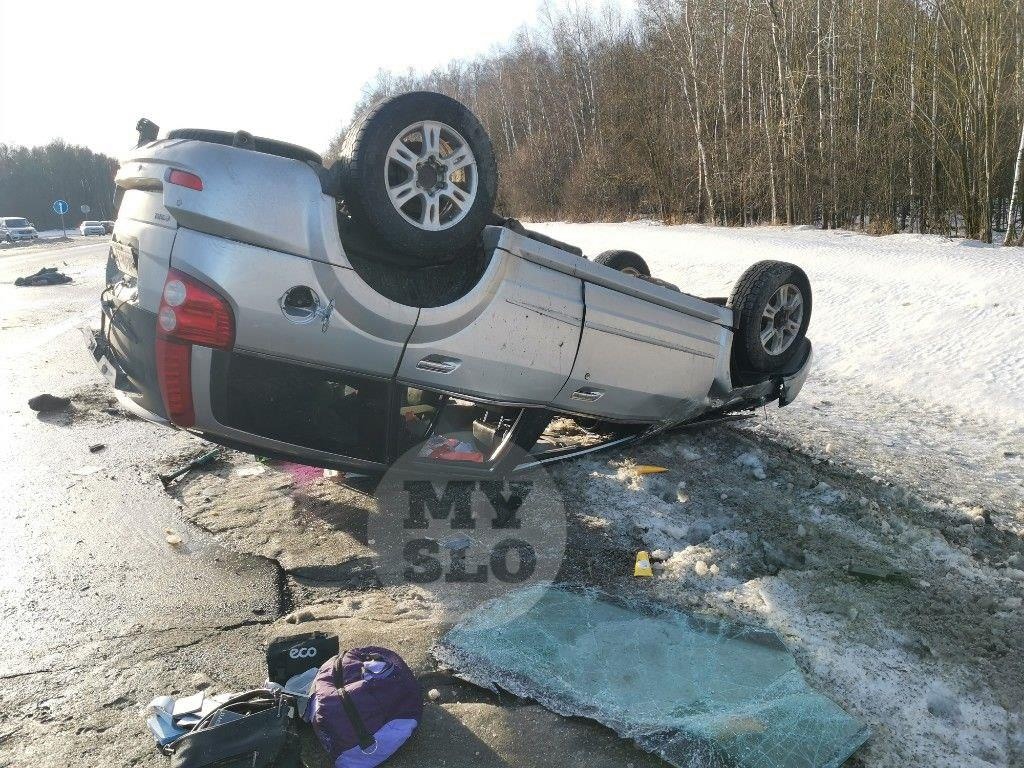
(580, 452)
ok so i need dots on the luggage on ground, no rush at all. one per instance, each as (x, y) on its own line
(364, 705)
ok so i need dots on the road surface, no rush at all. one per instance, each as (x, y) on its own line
(98, 613)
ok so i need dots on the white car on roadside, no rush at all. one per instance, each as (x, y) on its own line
(14, 229)
(92, 228)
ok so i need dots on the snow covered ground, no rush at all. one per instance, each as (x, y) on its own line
(877, 524)
(918, 339)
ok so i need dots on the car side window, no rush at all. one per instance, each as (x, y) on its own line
(442, 428)
(328, 411)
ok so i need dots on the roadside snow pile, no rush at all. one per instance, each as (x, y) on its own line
(908, 615)
(917, 340)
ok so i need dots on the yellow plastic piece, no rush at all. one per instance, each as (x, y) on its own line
(643, 564)
(649, 469)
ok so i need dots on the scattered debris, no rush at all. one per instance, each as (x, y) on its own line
(643, 564)
(433, 694)
(96, 447)
(202, 461)
(250, 470)
(45, 276)
(649, 469)
(46, 403)
(174, 539)
(869, 573)
(300, 616)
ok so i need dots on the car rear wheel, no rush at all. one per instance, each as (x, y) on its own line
(772, 306)
(418, 171)
(624, 261)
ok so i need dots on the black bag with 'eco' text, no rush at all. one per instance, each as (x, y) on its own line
(293, 655)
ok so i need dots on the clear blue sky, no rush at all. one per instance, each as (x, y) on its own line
(85, 72)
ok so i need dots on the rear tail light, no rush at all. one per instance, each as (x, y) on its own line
(184, 179)
(174, 372)
(190, 313)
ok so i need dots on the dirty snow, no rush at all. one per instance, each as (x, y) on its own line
(919, 357)
(877, 524)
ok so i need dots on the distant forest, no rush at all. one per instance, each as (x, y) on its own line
(31, 179)
(884, 115)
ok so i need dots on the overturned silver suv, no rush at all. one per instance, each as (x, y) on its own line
(348, 316)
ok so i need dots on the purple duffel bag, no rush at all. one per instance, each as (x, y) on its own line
(363, 706)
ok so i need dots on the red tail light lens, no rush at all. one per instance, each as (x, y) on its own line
(184, 179)
(193, 312)
(190, 313)
(174, 372)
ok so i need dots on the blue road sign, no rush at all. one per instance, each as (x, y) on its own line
(60, 206)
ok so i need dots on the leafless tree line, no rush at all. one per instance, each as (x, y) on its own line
(884, 115)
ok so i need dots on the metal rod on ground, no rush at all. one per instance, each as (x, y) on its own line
(201, 461)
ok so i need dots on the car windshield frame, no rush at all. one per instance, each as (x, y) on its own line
(12, 223)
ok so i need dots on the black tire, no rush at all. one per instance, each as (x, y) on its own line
(749, 300)
(247, 141)
(624, 261)
(364, 164)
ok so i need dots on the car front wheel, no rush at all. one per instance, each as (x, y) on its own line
(772, 307)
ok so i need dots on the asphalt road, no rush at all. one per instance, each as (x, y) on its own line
(98, 612)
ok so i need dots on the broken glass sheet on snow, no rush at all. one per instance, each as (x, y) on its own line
(699, 693)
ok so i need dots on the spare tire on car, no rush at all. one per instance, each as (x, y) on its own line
(418, 172)
(771, 303)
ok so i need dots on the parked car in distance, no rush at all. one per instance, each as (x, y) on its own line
(14, 229)
(92, 228)
(108, 227)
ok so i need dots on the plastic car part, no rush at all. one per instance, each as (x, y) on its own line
(418, 171)
(624, 261)
(245, 140)
(699, 693)
(190, 313)
(771, 303)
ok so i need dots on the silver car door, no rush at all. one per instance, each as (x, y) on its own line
(639, 361)
(348, 325)
(513, 338)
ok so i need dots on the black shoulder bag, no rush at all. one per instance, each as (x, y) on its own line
(251, 730)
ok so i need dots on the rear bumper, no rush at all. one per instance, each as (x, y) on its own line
(123, 349)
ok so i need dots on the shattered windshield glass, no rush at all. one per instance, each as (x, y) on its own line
(697, 692)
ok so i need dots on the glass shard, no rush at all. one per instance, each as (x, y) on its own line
(698, 692)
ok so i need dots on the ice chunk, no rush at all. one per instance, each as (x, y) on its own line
(697, 692)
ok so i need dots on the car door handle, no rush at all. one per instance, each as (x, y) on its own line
(439, 364)
(587, 395)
